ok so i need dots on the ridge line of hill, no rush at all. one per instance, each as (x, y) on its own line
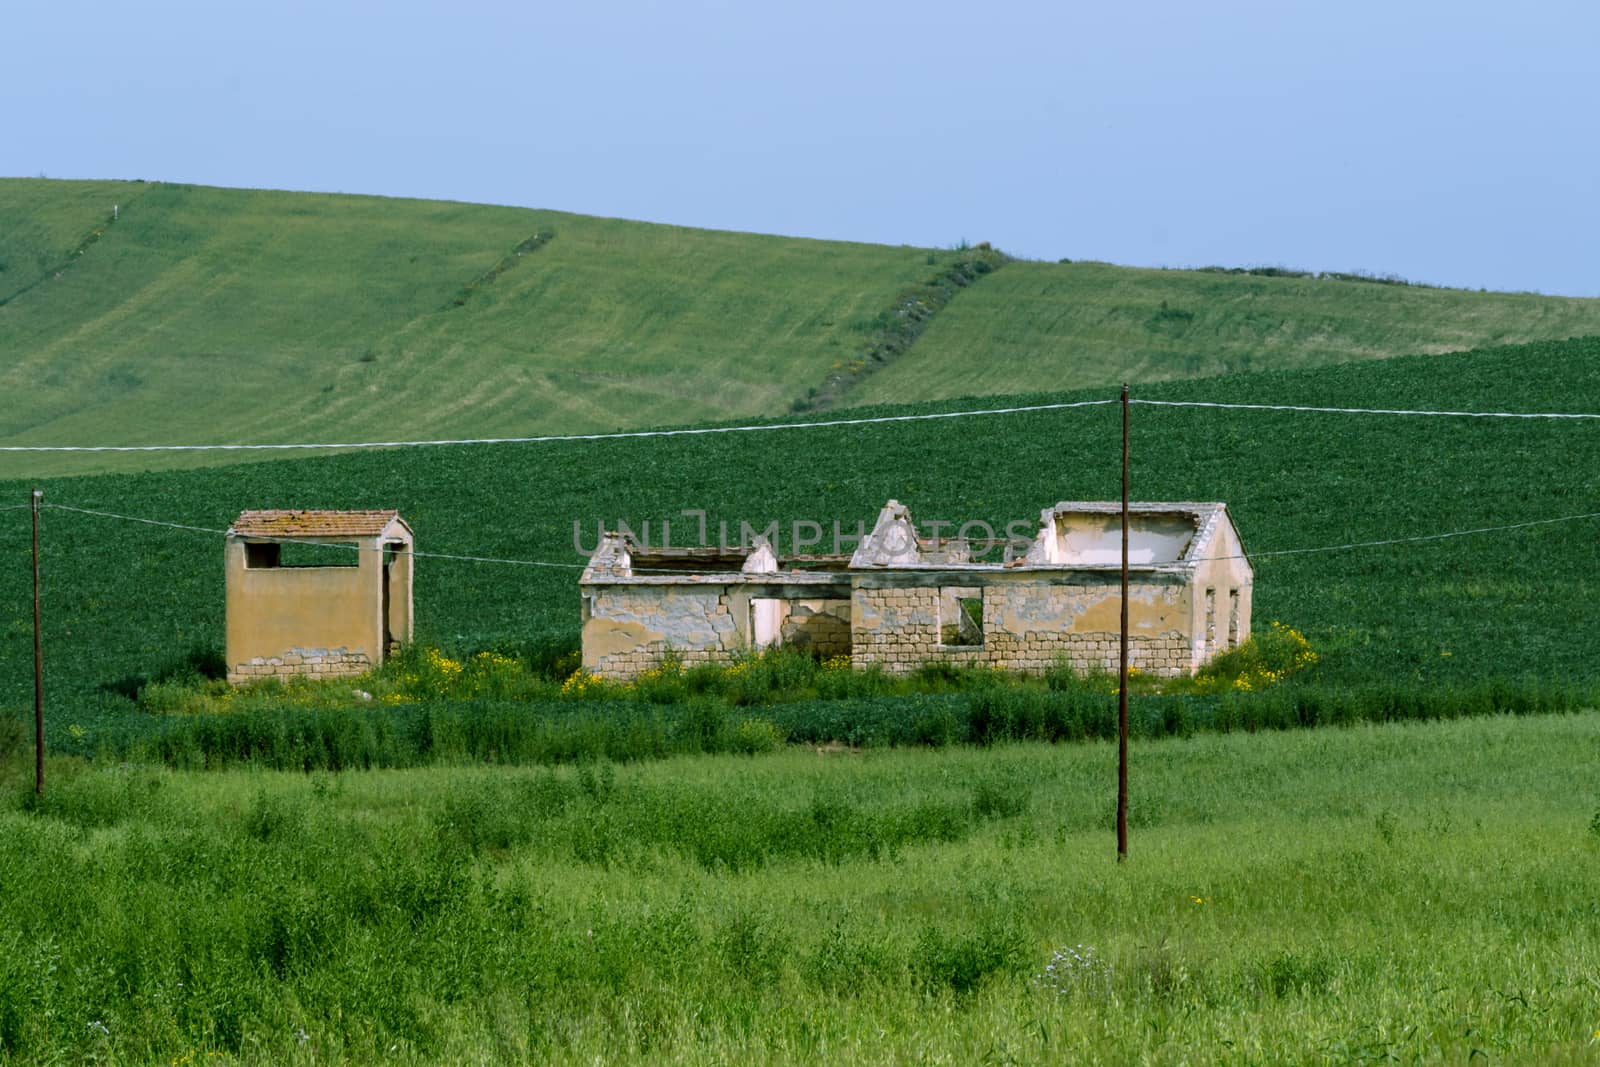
(895, 330)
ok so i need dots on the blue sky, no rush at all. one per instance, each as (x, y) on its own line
(1454, 143)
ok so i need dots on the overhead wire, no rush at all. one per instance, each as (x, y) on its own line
(1366, 411)
(695, 431)
(700, 431)
(1347, 546)
(1405, 540)
(213, 531)
(134, 518)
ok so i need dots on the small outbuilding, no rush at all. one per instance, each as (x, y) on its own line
(318, 593)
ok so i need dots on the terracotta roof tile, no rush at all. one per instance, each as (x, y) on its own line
(282, 523)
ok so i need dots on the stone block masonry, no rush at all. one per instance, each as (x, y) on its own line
(1027, 627)
(631, 630)
(818, 626)
(303, 663)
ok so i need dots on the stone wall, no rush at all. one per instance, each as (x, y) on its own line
(1027, 626)
(1030, 623)
(820, 626)
(306, 662)
(629, 629)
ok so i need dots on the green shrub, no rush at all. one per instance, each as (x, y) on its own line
(1269, 656)
(755, 735)
(962, 961)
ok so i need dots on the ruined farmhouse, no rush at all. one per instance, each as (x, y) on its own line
(900, 601)
(319, 593)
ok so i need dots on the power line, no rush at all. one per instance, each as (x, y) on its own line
(291, 540)
(581, 566)
(1366, 411)
(135, 518)
(329, 544)
(760, 427)
(491, 559)
(1408, 540)
(554, 438)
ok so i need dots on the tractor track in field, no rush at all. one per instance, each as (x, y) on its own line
(53, 273)
(509, 260)
(897, 329)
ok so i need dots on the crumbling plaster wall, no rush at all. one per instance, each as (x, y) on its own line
(1224, 573)
(628, 629)
(1095, 538)
(275, 615)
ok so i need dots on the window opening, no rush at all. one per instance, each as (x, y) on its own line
(961, 616)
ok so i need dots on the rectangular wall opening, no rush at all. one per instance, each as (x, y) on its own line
(766, 621)
(1095, 538)
(259, 557)
(265, 555)
(961, 616)
(1211, 621)
(390, 645)
(1233, 618)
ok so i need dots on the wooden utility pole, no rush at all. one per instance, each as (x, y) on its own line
(1122, 685)
(38, 660)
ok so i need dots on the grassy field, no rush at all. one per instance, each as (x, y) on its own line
(1398, 893)
(1066, 326)
(209, 315)
(124, 601)
(217, 315)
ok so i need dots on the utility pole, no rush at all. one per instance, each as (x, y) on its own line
(1122, 686)
(38, 660)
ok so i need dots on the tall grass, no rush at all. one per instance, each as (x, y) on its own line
(426, 708)
(1399, 892)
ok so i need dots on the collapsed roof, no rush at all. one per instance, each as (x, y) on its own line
(1072, 535)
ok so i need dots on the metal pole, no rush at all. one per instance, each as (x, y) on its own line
(1122, 687)
(38, 660)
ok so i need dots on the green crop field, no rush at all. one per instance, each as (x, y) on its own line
(1065, 326)
(124, 600)
(1380, 894)
(217, 315)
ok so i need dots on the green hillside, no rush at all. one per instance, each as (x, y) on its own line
(218, 315)
(223, 315)
(123, 599)
(1071, 325)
